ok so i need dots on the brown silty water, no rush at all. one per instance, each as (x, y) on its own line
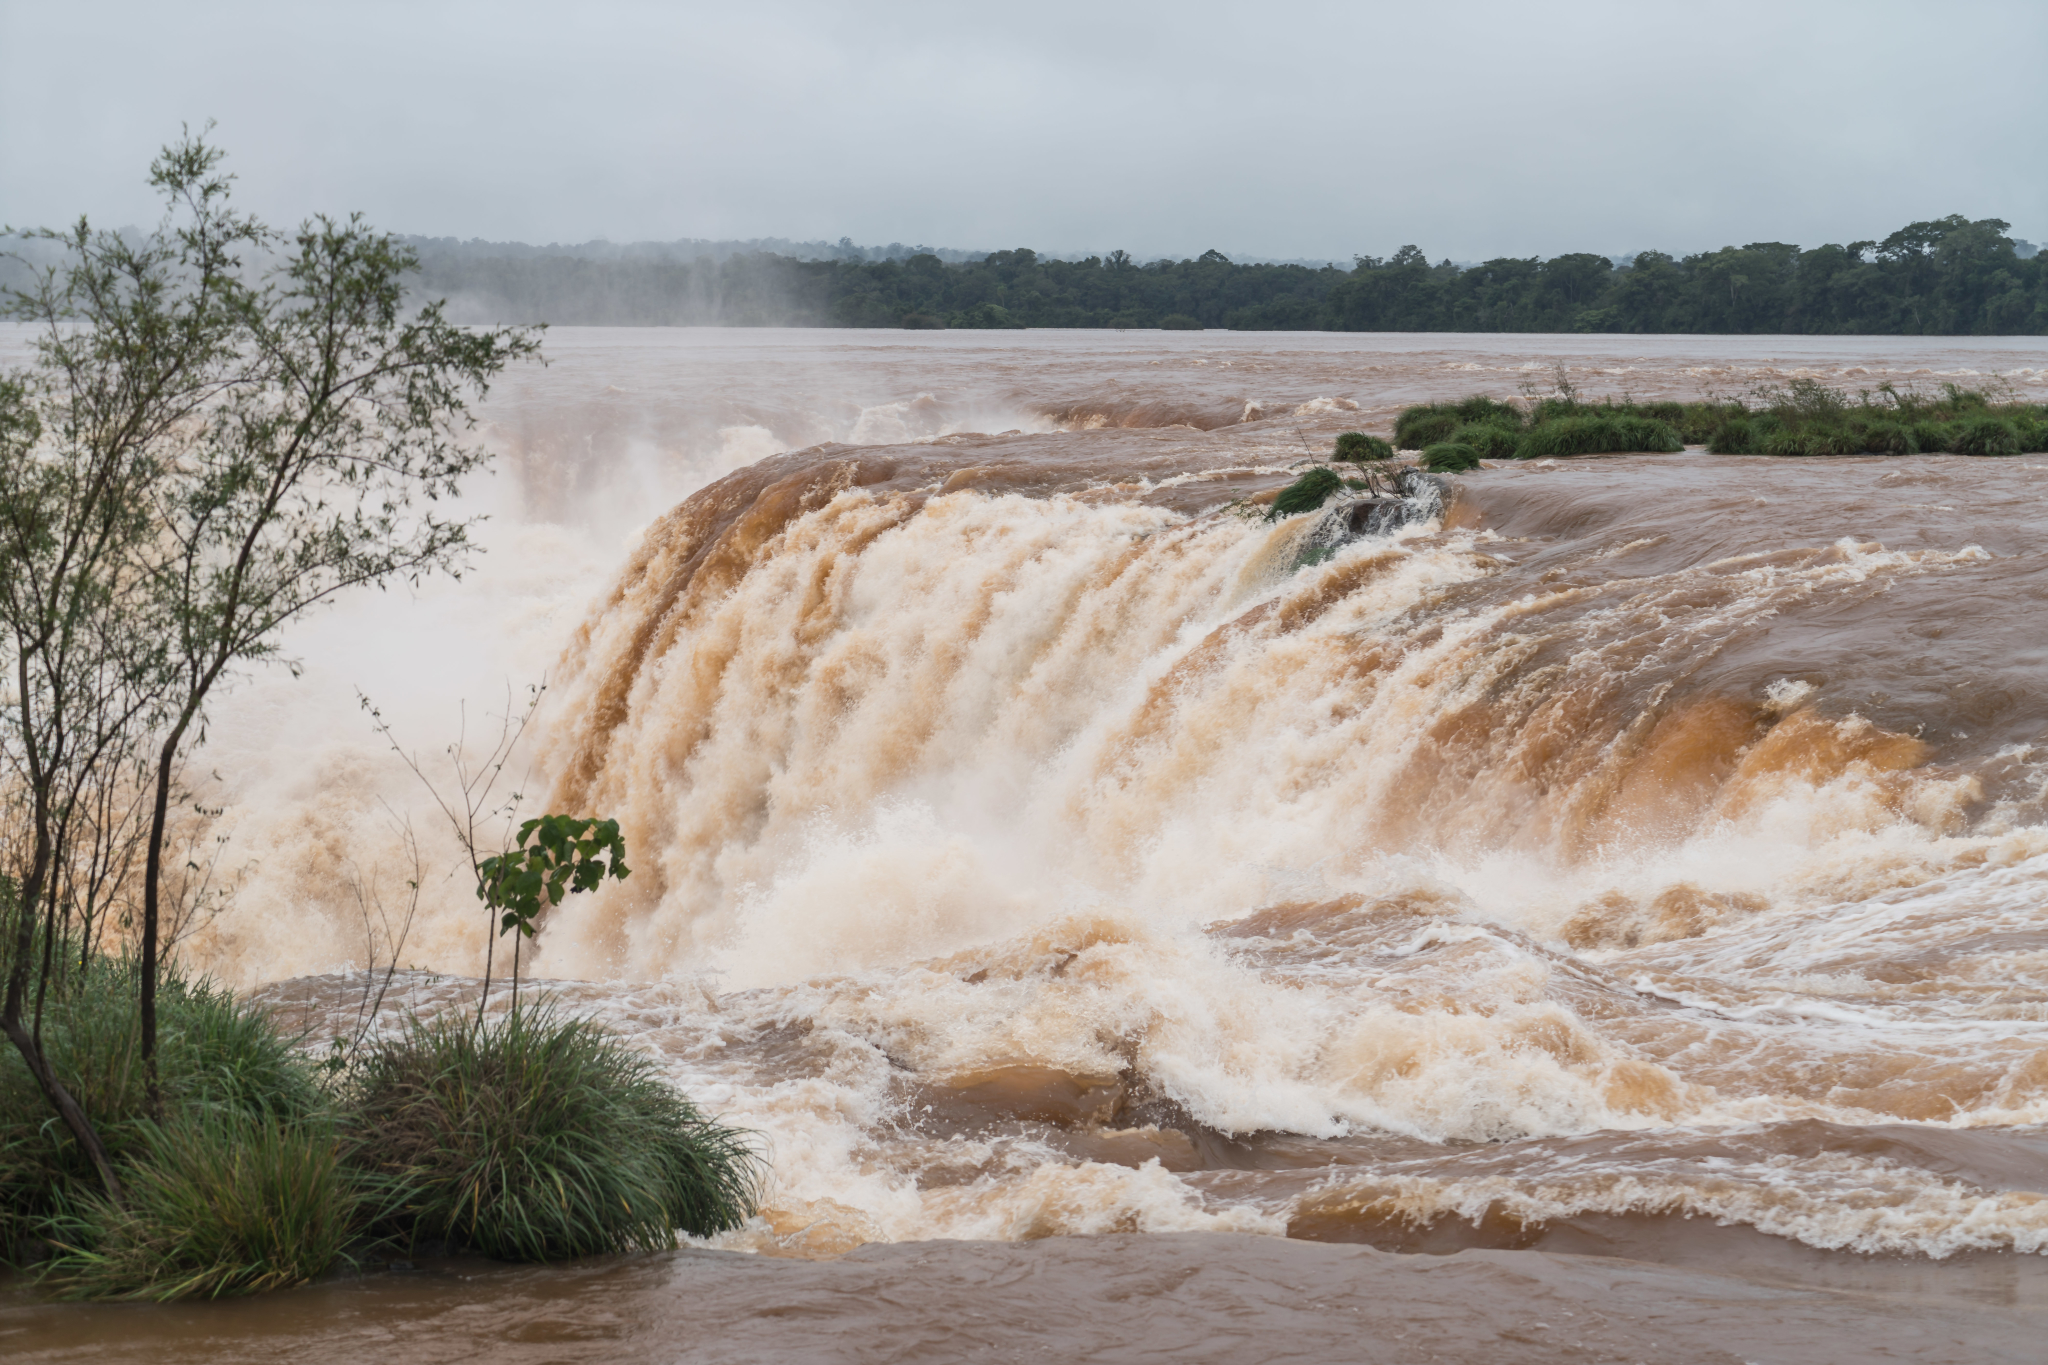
(1634, 857)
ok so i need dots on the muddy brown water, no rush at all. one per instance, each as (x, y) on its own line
(1181, 1297)
(1613, 907)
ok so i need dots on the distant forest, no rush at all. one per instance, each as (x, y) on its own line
(1946, 277)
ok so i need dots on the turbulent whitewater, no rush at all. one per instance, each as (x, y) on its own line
(1032, 839)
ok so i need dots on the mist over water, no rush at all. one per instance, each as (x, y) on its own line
(1639, 855)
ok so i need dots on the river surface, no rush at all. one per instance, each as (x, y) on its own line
(1606, 918)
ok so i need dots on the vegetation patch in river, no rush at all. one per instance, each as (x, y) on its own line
(1306, 493)
(1450, 457)
(1805, 417)
(1358, 447)
(218, 1202)
(536, 1137)
(214, 1058)
(531, 1137)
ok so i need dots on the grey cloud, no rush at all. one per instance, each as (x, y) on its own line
(1283, 130)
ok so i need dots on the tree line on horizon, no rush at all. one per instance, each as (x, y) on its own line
(1943, 277)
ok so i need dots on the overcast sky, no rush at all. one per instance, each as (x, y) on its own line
(1284, 129)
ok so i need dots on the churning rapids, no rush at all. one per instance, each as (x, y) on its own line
(1639, 857)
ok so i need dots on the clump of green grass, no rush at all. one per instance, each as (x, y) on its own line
(213, 1053)
(535, 1137)
(218, 1202)
(1449, 457)
(1737, 437)
(1808, 418)
(1809, 441)
(1889, 438)
(1802, 418)
(1695, 423)
(1430, 424)
(1492, 441)
(1306, 493)
(1356, 446)
(1482, 409)
(1419, 428)
(531, 1138)
(1933, 437)
(1985, 435)
(1596, 433)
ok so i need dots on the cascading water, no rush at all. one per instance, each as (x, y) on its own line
(1080, 858)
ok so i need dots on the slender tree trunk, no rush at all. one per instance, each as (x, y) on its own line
(28, 1044)
(490, 950)
(152, 885)
(67, 1108)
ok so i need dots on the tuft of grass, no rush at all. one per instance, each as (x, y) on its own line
(1421, 427)
(1431, 424)
(212, 1053)
(1985, 436)
(1491, 441)
(1448, 457)
(1597, 433)
(1356, 446)
(1933, 437)
(1490, 410)
(1737, 437)
(1697, 423)
(219, 1202)
(1810, 441)
(535, 1137)
(1889, 438)
(1306, 493)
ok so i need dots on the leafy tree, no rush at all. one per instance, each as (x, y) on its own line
(135, 340)
(215, 450)
(307, 475)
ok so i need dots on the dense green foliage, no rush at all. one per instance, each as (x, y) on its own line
(531, 1137)
(1591, 433)
(535, 1137)
(219, 1202)
(554, 856)
(1454, 436)
(1492, 440)
(214, 1054)
(1356, 446)
(1949, 276)
(1805, 417)
(1448, 457)
(1428, 423)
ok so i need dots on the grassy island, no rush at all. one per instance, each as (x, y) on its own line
(1804, 417)
(527, 1136)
